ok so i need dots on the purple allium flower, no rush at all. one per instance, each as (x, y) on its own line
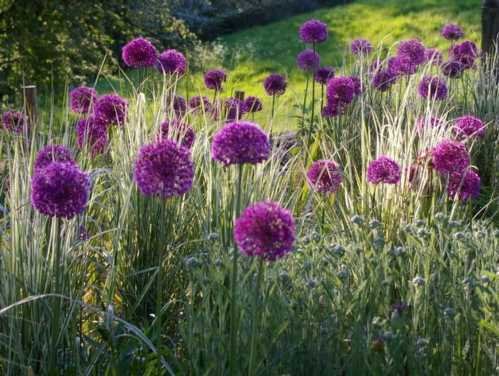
(14, 121)
(111, 108)
(324, 176)
(434, 56)
(361, 47)
(452, 69)
(163, 168)
(240, 142)
(60, 189)
(402, 65)
(450, 156)
(172, 62)
(323, 75)
(52, 153)
(466, 185)
(214, 79)
(92, 132)
(275, 84)
(432, 87)
(234, 109)
(340, 89)
(413, 49)
(177, 130)
(333, 109)
(384, 79)
(253, 104)
(265, 230)
(82, 99)
(139, 53)
(357, 85)
(383, 170)
(308, 60)
(452, 32)
(465, 53)
(313, 31)
(177, 104)
(200, 103)
(469, 126)
(424, 121)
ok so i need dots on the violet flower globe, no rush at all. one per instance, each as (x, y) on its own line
(112, 109)
(234, 109)
(179, 131)
(200, 103)
(275, 84)
(139, 53)
(324, 176)
(469, 126)
(82, 99)
(383, 170)
(253, 104)
(308, 60)
(92, 133)
(341, 89)
(452, 69)
(60, 190)
(412, 49)
(464, 185)
(265, 230)
(52, 153)
(214, 79)
(240, 143)
(434, 56)
(163, 168)
(323, 75)
(452, 32)
(14, 121)
(361, 47)
(383, 80)
(313, 31)
(450, 156)
(432, 87)
(172, 62)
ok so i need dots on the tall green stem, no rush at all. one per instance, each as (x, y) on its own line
(256, 317)
(272, 118)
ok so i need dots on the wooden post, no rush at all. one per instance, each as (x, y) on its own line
(30, 106)
(490, 25)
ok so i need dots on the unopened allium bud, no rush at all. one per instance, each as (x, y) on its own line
(459, 236)
(418, 281)
(338, 250)
(449, 312)
(374, 224)
(357, 219)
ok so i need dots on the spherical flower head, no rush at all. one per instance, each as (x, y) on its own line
(361, 47)
(452, 32)
(240, 142)
(234, 109)
(265, 230)
(214, 79)
(253, 104)
(308, 60)
(92, 133)
(82, 99)
(432, 87)
(163, 168)
(200, 103)
(469, 126)
(177, 104)
(139, 53)
(324, 176)
(313, 31)
(111, 108)
(414, 50)
(172, 62)
(425, 121)
(383, 79)
(178, 131)
(383, 170)
(434, 56)
(14, 121)
(323, 75)
(275, 84)
(357, 85)
(332, 109)
(465, 53)
(452, 69)
(450, 156)
(60, 190)
(402, 65)
(53, 153)
(340, 89)
(465, 185)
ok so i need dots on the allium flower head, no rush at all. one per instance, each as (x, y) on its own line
(52, 153)
(172, 62)
(92, 132)
(139, 53)
(469, 126)
(308, 60)
(452, 32)
(60, 190)
(275, 84)
(200, 103)
(240, 142)
(465, 53)
(402, 65)
(265, 230)
(313, 31)
(253, 104)
(234, 108)
(452, 69)
(323, 75)
(82, 99)
(214, 79)
(178, 131)
(357, 85)
(340, 89)
(177, 104)
(324, 176)
(383, 170)
(111, 108)
(434, 56)
(383, 79)
(413, 49)
(332, 109)
(432, 87)
(466, 185)
(14, 121)
(450, 156)
(361, 47)
(163, 168)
